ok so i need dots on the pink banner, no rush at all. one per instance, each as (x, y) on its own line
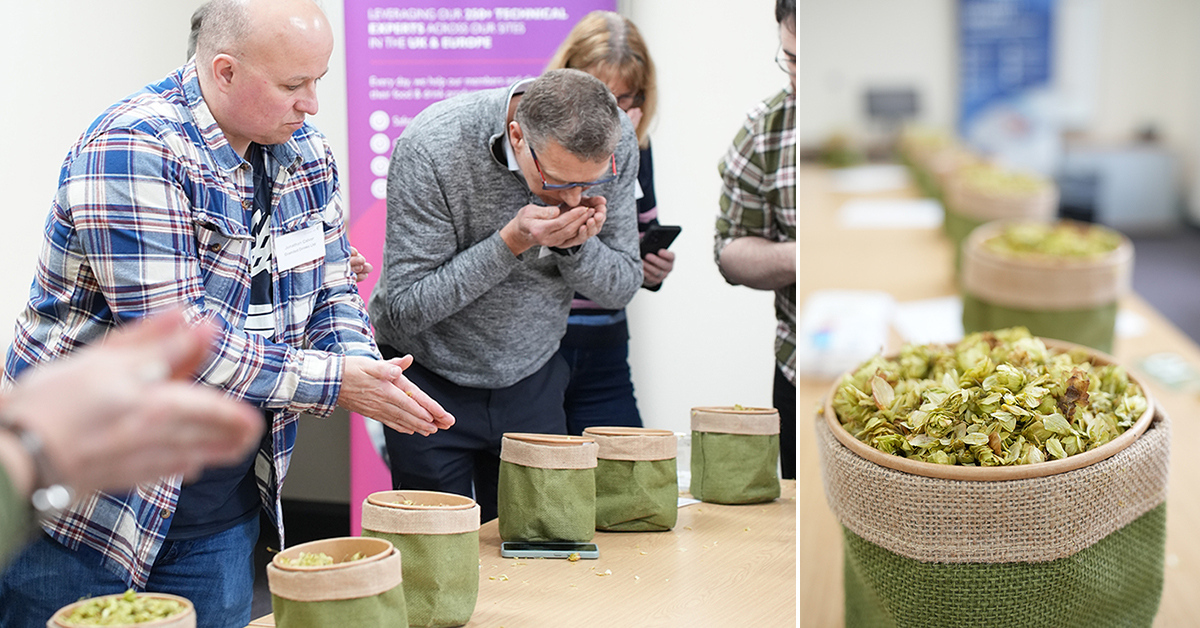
(400, 58)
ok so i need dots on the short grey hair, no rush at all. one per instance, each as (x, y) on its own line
(221, 27)
(574, 109)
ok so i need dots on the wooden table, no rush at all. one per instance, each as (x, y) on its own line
(720, 566)
(917, 264)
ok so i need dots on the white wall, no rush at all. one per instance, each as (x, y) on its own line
(698, 341)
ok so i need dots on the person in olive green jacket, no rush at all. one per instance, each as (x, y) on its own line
(111, 416)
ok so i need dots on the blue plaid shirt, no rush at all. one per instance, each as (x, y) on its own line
(150, 213)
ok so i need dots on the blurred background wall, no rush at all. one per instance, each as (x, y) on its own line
(1121, 69)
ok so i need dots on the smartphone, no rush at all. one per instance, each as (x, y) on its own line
(548, 549)
(659, 237)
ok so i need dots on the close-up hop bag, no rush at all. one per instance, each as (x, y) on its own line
(437, 535)
(362, 587)
(547, 488)
(637, 488)
(1054, 297)
(1071, 542)
(735, 453)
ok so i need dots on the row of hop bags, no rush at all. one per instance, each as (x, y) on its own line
(1005, 481)
(619, 479)
(417, 563)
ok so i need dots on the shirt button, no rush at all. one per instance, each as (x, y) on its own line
(166, 514)
(247, 203)
(214, 247)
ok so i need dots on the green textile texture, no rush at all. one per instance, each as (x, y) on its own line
(546, 504)
(1115, 583)
(927, 185)
(734, 468)
(377, 611)
(441, 576)
(16, 520)
(957, 228)
(636, 495)
(1092, 327)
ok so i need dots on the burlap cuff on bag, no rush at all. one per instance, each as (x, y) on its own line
(406, 521)
(581, 456)
(347, 583)
(735, 422)
(1043, 284)
(636, 448)
(1031, 520)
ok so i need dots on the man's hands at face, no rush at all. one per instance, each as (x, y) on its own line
(561, 227)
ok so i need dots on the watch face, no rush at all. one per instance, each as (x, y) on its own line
(53, 499)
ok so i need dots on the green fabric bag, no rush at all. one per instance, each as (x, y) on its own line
(437, 535)
(735, 453)
(1117, 582)
(364, 593)
(1082, 548)
(1092, 327)
(384, 609)
(957, 228)
(637, 488)
(547, 492)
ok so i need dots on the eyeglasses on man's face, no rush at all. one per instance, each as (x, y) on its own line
(567, 186)
(786, 61)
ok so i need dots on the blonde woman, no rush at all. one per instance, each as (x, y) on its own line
(596, 346)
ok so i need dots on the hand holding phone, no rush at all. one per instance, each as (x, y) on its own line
(659, 237)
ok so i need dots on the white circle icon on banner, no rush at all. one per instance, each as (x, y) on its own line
(379, 165)
(379, 188)
(380, 143)
(379, 120)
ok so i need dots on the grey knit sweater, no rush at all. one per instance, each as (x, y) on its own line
(452, 294)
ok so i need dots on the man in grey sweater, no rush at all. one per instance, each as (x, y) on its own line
(489, 234)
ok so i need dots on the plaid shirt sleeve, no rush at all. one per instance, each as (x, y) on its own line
(135, 228)
(758, 177)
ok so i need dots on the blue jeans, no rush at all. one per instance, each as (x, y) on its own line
(215, 572)
(600, 392)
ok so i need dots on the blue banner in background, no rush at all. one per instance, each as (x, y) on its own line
(1006, 104)
(1005, 49)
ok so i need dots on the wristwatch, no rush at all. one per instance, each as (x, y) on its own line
(50, 497)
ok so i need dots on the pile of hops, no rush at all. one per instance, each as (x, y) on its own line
(996, 398)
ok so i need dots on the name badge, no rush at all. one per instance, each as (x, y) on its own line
(299, 247)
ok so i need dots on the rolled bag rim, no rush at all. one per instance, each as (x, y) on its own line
(1040, 283)
(434, 521)
(1042, 204)
(722, 420)
(350, 583)
(966, 521)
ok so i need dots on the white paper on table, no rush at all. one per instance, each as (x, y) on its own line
(869, 178)
(841, 328)
(1130, 324)
(890, 213)
(930, 320)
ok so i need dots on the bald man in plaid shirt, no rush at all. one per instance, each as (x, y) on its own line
(206, 191)
(756, 229)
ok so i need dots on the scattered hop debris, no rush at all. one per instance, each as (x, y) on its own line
(573, 557)
(129, 608)
(996, 398)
